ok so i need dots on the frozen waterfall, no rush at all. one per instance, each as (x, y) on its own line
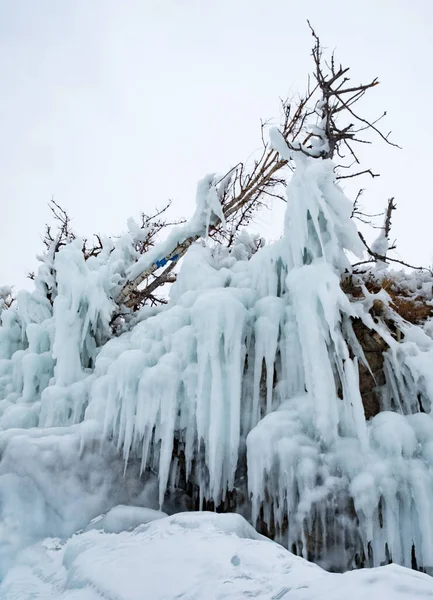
(247, 382)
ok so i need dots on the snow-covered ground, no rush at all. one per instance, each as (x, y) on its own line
(192, 556)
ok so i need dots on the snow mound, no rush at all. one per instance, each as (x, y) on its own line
(193, 556)
(123, 517)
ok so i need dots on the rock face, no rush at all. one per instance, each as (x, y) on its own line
(370, 381)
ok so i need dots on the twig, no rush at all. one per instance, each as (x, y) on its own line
(366, 171)
(383, 258)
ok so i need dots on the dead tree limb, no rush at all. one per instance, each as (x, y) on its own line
(239, 200)
(390, 208)
(328, 137)
(311, 126)
(375, 256)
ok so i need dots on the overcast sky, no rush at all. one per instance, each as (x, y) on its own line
(114, 106)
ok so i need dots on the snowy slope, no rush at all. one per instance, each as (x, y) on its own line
(193, 556)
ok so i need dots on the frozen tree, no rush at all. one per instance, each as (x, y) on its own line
(189, 365)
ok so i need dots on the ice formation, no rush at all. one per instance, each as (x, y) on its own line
(246, 383)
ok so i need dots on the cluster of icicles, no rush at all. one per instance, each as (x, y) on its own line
(251, 358)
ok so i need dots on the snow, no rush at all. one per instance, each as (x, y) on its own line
(124, 518)
(5, 291)
(192, 556)
(380, 244)
(5, 297)
(208, 208)
(279, 144)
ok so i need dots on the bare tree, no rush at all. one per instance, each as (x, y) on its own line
(311, 125)
(63, 231)
(324, 123)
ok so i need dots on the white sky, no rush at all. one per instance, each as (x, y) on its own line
(114, 106)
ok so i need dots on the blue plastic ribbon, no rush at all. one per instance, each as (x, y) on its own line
(164, 261)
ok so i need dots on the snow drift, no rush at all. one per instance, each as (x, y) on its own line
(192, 556)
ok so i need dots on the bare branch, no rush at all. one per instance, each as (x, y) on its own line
(387, 226)
(138, 298)
(248, 185)
(376, 256)
(366, 171)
